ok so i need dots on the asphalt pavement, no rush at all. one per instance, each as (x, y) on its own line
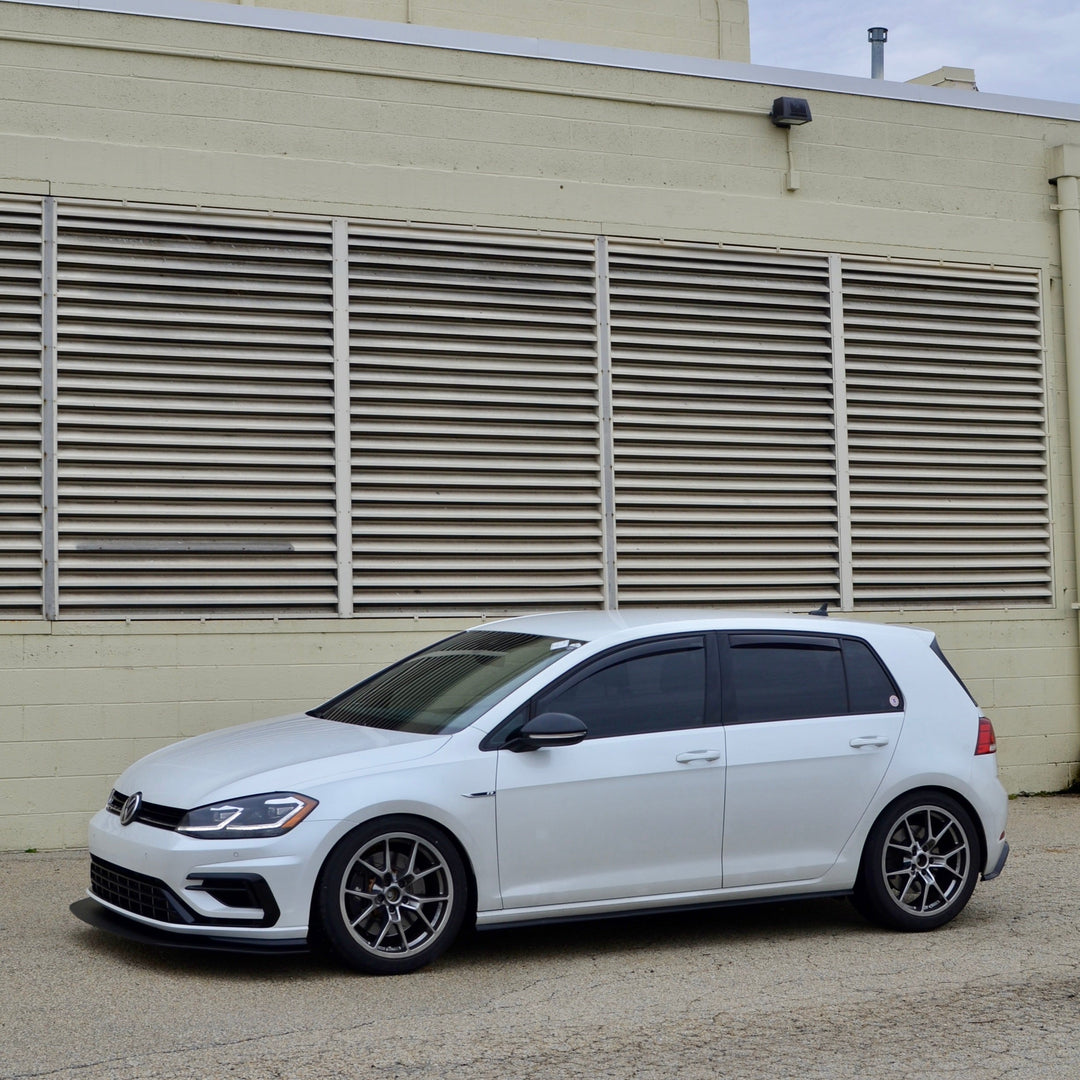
(800, 990)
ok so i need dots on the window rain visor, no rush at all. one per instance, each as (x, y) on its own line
(446, 687)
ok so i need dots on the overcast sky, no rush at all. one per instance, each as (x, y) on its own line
(1027, 48)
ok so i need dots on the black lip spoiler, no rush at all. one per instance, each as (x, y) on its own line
(102, 918)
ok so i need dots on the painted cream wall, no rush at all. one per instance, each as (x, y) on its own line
(95, 696)
(156, 110)
(83, 700)
(109, 106)
(715, 28)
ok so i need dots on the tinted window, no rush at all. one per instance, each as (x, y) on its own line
(869, 687)
(659, 688)
(447, 686)
(793, 676)
(785, 681)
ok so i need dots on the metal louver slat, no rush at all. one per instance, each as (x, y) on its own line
(946, 418)
(201, 359)
(195, 401)
(725, 464)
(476, 479)
(20, 408)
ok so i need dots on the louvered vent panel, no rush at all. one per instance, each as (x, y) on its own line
(196, 414)
(476, 473)
(20, 409)
(724, 441)
(950, 504)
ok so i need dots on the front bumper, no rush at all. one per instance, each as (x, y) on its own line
(256, 891)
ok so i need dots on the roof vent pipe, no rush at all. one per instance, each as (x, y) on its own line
(877, 36)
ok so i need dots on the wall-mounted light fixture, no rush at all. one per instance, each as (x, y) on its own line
(790, 112)
(786, 113)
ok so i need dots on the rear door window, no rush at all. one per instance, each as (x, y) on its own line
(780, 676)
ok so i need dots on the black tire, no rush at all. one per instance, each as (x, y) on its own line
(391, 897)
(920, 863)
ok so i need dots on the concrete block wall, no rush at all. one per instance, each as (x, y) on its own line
(718, 29)
(174, 112)
(81, 701)
(152, 110)
(1024, 673)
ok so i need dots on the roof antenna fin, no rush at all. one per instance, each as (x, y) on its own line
(823, 610)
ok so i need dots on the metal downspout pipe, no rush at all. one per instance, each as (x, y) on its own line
(1065, 173)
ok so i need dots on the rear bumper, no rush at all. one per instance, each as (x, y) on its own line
(999, 865)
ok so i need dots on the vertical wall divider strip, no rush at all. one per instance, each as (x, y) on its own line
(840, 425)
(1048, 408)
(342, 418)
(50, 542)
(607, 436)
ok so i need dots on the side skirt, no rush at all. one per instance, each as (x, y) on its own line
(665, 909)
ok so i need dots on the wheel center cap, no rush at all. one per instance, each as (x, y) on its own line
(392, 894)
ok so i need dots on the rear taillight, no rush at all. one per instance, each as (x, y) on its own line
(986, 743)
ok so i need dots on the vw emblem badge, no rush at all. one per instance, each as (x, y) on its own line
(130, 808)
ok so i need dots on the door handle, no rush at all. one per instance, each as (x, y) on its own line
(697, 755)
(869, 740)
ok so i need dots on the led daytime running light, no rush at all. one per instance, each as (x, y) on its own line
(256, 815)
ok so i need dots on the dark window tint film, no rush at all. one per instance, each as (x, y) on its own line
(446, 687)
(869, 686)
(795, 676)
(657, 691)
(786, 682)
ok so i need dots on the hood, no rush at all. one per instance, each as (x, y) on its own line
(286, 753)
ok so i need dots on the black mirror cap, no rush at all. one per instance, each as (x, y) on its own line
(549, 729)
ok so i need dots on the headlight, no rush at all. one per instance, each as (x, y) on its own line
(249, 818)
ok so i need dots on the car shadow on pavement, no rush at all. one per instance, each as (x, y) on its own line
(631, 935)
(667, 931)
(196, 963)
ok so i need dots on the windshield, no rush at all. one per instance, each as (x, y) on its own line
(447, 686)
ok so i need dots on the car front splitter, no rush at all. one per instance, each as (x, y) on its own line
(102, 918)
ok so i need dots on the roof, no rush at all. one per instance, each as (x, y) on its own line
(629, 623)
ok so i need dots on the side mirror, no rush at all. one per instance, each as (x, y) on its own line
(548, 729)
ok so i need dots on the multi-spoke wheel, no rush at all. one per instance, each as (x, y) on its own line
(392, 896)
(920, 863)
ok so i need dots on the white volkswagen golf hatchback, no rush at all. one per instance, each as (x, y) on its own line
(563, 766)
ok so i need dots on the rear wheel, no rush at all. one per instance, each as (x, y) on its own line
(392, 896)
(920, 863)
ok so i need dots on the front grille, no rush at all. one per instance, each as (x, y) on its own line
(137, 893)
(154, 814)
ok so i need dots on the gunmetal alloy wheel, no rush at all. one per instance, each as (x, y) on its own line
(392, 896)
(920, 864)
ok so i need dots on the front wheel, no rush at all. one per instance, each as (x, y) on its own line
(920, 863)
(392, 896)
